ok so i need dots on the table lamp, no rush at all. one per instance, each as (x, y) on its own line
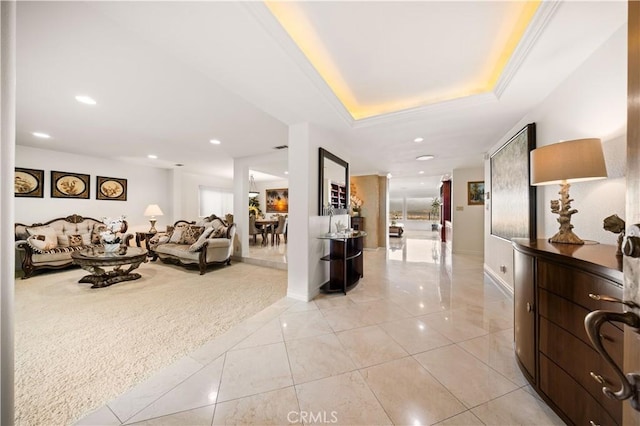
(153, 210)
(564, 163)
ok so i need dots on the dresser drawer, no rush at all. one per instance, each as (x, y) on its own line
(576, 285)
(578, 359)
(571, 317)
(572, 399)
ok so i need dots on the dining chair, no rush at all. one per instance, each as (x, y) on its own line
(280, 229)
(255, 231)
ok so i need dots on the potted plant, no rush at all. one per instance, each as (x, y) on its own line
(254, 207)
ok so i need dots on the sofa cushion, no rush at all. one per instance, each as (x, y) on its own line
(191, 234)
(48, 234)
(181, 251)
(201, 240)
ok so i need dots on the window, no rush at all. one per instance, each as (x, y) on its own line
(395, 209)
(419, 208)
(216, 201)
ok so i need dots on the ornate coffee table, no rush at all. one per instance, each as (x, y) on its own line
(94, 259)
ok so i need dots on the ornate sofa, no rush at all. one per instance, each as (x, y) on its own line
(49, 245)
(203, 243)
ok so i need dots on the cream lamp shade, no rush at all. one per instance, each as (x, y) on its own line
(571, 161)
(563, 163)
(153, 210)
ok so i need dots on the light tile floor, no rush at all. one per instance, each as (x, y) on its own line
(425, 338)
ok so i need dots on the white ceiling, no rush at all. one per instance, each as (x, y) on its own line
(170, 76)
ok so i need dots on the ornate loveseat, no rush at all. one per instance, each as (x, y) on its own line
(49, 245)
(202, 243)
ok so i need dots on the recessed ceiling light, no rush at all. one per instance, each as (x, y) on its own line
(421, 172)
(421, 183)
(215, 142)
(286, 172)
(418, 139)
(389, 175)
(424, 157)
(153, 157)
(41, 135)
(85, 100)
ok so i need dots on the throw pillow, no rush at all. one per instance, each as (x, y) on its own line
(39, 244)
(75, 240)
(201, 240)
(191, 234)
(50, 235)
(220, 232)
(176, 235)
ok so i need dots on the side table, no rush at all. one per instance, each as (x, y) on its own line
(145, 237)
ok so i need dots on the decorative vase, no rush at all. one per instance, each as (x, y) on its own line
(111, 248)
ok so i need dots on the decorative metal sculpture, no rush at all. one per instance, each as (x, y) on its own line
(562, 207)
(616, 225)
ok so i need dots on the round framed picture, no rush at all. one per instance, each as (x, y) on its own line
(111, 189)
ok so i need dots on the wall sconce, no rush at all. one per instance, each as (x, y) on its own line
(153, 210)
(564, 163)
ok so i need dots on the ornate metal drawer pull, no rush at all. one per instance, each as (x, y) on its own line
(598, 378)
(631, 381)
(605, 298)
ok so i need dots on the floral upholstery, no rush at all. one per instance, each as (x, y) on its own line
(49, 245)
(203, 243)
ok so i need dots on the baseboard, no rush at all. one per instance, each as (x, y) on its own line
(297, 296)
(470, 252)
(498, 281)
(261, 262)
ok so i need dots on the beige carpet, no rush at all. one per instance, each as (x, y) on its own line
(77, 348)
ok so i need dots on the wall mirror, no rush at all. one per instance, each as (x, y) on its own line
(334, 184)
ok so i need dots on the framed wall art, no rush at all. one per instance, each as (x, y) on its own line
(277, 200)
(108, 188)
(28, 183)
(513, 200)
(69, 185)
(475, 193)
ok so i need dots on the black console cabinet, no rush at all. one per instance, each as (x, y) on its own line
(346, 265)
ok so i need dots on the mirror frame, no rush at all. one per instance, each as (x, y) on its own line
(324, 154)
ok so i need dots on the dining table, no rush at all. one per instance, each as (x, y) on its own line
(266, 225)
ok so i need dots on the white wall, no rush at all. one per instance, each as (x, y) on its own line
(590, 103)
(145, 185)
(306, 271)
(468, 221)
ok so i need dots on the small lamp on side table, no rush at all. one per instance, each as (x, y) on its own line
(564, 163)
(153, 210)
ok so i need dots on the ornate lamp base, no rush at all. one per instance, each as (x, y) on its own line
(562, 208)
(153, 229)
(566, 238)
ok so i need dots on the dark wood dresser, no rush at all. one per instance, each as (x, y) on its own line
(552, 287)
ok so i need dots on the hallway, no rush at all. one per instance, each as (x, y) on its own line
(424, 339)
